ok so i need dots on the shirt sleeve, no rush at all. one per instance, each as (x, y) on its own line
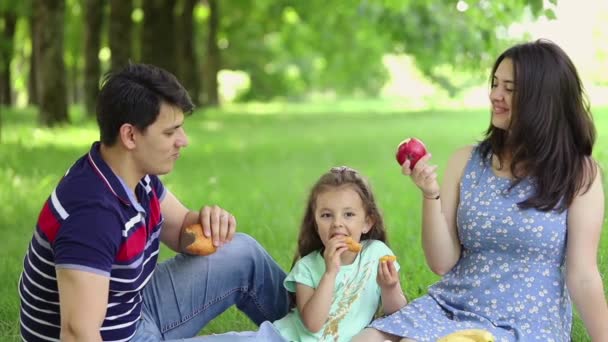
(88, 240)
(300, 273)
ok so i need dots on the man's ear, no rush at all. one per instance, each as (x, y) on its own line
(126, 134)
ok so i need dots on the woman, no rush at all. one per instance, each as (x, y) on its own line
(515, 227)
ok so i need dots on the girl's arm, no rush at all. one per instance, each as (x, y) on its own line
(391, 293)
(585, 217)
(314, 304)
(439, 233)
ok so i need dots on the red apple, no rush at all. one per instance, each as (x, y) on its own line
(412, 149)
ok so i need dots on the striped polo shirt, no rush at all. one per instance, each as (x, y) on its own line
(92, 222)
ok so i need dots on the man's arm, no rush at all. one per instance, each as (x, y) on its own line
(217, 223)
(83, 299)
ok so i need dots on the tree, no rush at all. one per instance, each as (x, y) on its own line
(187, 67)
(158, 34)
(92, 39)
(295, 47)
(51, 80)
(121, 32)
(9, 20)
(298, 47)
(441, 35)
(213, 60)
(74, 26)
(32, 81)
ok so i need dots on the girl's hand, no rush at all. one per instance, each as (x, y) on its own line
(388, 277)
(333, 250)
(423, 175)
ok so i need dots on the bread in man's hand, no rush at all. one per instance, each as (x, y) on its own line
(201, 245)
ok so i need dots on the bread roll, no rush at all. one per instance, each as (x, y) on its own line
(201, 245)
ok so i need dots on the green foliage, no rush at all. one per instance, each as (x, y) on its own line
(337, 47)
(74, 36)
(260, 167)
(293, 48)
(440, 34)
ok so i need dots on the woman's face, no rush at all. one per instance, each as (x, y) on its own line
(501, 94)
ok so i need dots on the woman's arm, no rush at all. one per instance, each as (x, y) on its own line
(585, 218)
(439, 232)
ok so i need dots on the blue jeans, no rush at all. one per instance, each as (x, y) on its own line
(266, 333)
(186, 292)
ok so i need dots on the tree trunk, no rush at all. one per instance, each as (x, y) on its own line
(187, 67)
(213, 61)
(50, 74)
(32, 83)
(93, 14)
(158, 46)
(6, 54)
(121, 32)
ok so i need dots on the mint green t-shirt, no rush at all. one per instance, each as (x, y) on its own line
(356, 295)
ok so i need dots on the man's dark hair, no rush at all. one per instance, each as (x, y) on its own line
(133, 95)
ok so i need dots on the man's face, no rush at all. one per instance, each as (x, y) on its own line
(157, 148)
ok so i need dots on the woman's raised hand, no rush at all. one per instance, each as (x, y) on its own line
(424, 176)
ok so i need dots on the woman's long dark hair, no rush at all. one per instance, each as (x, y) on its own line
(551, 134)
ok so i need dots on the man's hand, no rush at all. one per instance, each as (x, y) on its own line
(218, 224)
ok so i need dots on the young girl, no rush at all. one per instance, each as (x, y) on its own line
(337, 291)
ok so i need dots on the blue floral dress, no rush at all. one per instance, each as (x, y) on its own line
(510, 277)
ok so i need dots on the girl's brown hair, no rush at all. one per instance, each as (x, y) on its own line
(309, 239)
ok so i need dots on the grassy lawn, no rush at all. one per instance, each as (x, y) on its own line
(259, 166)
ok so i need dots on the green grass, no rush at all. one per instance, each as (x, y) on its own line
(259, 164)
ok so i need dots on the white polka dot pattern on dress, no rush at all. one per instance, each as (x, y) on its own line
(509, 279)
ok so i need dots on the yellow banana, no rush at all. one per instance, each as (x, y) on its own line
(468, 335)
(455, 338)
(479, 335)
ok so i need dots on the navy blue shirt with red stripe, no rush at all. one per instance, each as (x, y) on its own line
(92, 222)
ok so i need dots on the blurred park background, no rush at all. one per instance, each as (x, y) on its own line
(284, 90)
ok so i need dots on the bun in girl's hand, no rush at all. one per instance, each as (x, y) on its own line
(388, 258)
(352, 245)
(201, 245)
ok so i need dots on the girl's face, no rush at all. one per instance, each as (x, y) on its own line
(339, 212)
(501, 94)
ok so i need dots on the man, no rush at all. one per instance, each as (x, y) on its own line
(91, 272)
